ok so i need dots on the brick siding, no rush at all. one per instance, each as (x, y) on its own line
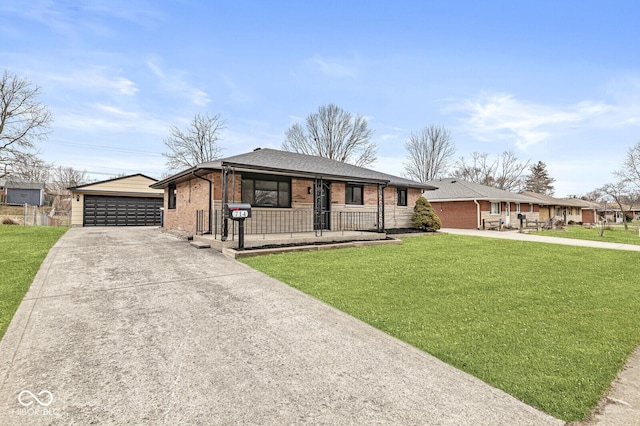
(193, 195)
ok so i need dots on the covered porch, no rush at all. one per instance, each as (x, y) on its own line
(288, 227)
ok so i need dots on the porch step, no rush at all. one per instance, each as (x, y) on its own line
(200, 244)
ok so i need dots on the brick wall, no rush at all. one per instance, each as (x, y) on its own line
(193, 195)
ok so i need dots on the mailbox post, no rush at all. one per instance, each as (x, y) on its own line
(522, 217)
(239, 212)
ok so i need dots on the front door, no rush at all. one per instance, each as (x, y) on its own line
(322, 205)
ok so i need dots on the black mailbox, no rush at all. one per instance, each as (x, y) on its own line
(238, 211)
(522, 216)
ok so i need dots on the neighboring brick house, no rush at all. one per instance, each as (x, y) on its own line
(289, 192)
(467, 205)
(614, 214)
(563, 209)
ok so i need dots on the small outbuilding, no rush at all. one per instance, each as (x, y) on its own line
(20, 193)
(123, 201)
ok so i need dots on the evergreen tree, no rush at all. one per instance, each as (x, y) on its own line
(539, 181)
(424, 217)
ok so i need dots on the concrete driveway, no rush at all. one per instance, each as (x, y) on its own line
(128, 325)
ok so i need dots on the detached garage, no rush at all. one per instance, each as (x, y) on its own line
(123, 201)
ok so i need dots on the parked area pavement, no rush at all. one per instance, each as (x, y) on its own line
(132, 326)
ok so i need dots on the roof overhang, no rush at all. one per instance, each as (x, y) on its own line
(118, 193)
(297, 173)
(251, 168)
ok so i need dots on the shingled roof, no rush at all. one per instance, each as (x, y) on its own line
(301, 165)
(552, 201)
(453, 189)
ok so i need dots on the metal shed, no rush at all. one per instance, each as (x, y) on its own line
(19, 193)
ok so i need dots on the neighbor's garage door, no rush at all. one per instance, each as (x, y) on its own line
(100, 210)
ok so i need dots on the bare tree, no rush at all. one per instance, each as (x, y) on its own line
(64, 178)
(333, 133)
(429, 153)
(23, 120)
(630, 170)
(622, 194)
(30, 168)
(504, 172)
(197, 145)
(68, 177)
(595, 195)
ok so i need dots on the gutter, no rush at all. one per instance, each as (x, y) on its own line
(478, 210)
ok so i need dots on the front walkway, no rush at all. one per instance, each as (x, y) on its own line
(515, 235)
(132, 326)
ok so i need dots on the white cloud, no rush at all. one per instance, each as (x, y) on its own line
(334, 67)
(501, 116)
(175, 82)
(106, 118)
(95, 79)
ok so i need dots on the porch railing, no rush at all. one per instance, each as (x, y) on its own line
(289, 222)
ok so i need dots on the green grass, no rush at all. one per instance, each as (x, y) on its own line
(23, 250)
(551, 325)
(616, 234)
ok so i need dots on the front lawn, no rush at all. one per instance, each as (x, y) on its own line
(23, 250)
(615, 234)
(551, 325)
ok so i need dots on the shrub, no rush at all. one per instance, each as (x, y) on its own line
(424, 217)
(9, 221)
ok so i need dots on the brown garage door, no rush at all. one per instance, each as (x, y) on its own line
(100, 210)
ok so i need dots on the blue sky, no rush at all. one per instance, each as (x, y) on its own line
(554, 81)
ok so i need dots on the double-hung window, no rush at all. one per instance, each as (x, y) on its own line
(172, 197)
(495, 208)
(266, 190)
(402, 196)
(354, 194)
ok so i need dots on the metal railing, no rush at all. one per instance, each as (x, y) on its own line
(290, 222)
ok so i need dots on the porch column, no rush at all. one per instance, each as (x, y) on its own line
(225, 200)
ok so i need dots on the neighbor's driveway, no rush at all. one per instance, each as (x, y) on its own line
(128, 325)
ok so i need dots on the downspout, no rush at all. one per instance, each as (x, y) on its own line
(193, 173)
(383, 212)
(478, 210)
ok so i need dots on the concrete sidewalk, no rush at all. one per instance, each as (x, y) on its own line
(515, 235)
(131, 326)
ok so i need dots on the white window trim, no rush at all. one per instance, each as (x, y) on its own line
(517, 207)
(499, 208)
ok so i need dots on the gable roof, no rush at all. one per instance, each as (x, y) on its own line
(74, 188)
(453, 189)
(22, 185)
(301, 165)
